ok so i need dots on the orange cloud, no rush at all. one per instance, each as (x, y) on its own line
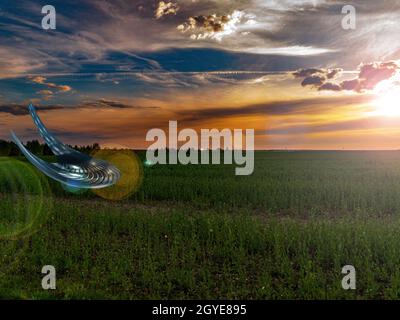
(42, 80)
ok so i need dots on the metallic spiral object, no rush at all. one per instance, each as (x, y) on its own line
(73, 169)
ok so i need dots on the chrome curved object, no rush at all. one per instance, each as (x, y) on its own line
(74, 169)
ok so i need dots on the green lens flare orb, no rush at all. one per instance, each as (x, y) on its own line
(25, 205)
(25, 199)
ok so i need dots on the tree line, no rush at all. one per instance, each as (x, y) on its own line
(10, 149)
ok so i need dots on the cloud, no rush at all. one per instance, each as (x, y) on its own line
(92, 34)
(373, 73)
(303, 73)
(329, 86)
(20, 109)
(272, 108)
(13, 62)
(316, 77)
(45, 92)
(316, 81)
(95, 30)
(369, 76)
(323, 73)
(344, 125)
(333, 73)
(64, 88)
(212, 26)
(38, 79)
(166, 8)
(350, 85)
(42, 80)
(287, 51)
(202, 79)
(107, 103)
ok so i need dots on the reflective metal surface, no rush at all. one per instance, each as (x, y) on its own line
(73, 168)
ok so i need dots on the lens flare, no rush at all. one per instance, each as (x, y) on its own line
(26, 200)
(131, 170)
(148, 163)
(387, 99)
(26, 204)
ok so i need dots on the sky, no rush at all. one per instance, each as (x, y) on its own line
(114, 69)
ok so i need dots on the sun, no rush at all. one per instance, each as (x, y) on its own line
(387, 102)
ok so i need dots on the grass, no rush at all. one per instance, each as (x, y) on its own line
(200, 232)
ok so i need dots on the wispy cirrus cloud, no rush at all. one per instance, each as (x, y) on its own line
(13, 63)
(306, 106)
(90, 36)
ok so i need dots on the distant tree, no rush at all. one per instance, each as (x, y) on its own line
(8, 148)
(5, 148)
(35, 147)
(95, 147)
(47, 151)
(14, 150)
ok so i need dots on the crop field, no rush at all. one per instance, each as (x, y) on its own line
(200, 232)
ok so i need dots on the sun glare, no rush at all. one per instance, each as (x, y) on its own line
(387, 102)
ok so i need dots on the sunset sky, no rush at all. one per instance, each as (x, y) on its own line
(113, 69)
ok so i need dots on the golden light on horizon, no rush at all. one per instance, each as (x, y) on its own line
(387, 102)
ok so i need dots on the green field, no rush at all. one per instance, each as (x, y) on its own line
(200, 232)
